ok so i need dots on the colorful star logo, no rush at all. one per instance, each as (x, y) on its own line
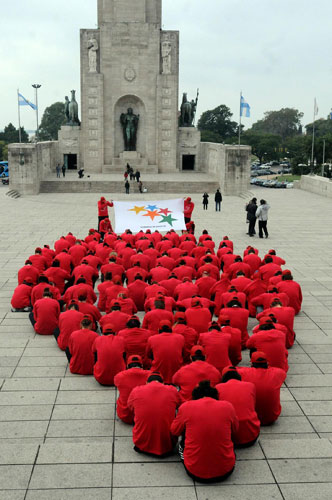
(137, 209)
(169, 219)
(151, 207)
(164, 211)
(152, 214)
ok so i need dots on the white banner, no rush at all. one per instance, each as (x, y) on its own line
(160, 215)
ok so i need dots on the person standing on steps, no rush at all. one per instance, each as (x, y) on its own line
(58, 170)
(262, 216)
(63, 168)
(205, 201)
(127, 186)
(251, 209)
(218, 200)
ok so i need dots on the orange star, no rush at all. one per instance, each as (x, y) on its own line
(152, 214)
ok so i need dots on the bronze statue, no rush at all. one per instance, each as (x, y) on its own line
(67, 109)
(73, 110)
(188, 111)
(129, 124)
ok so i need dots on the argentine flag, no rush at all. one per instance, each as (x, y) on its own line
(245, 108)
(22, 101)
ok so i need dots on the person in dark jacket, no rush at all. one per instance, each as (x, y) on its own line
(127, 186)
(218, 200)
(205, 201)
(251, 216)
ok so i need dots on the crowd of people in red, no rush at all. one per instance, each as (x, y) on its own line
(177, 370)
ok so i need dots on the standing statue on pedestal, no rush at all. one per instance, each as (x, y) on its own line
(129, 124)
(93, 48)
(71, 110)
(188, 111)
(166, 55)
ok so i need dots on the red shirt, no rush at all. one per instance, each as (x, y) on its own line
(188, 208)
(88, 272)
(116, 318)
(170, 284)
(39, 262)
(239, 266)
(66, 261)
(143, 260)
(113, 268)
(46, 313)
(153, 255)
(80, 347)
(136, 341)
(167, 352)
(21, 297)
(266, 271)
(136, 291)
(205, 285)
(255, 288)
(294, 293)
(57, 276)
(265, 299)
(185, 290)
(253, 261)
(190, 339)
(132, 272)
(112, 293)
(189, 376)
(216, 345)
(268, 383)
(125, 382)
(28, 272)
(153, 318)
(272, 343)
(60, 245)
(154, 407)
(228, 296)
(153, 290)
(235, 344)
(103, 208)
(126, 254)
(241, 283)
(102, 287)
(285, 316)
(242, 395)
(159, 273)
(69, 322)
(77, 252)
(238, 319)
(211, 269)
(110, 360)
(198, 318)
(170, 304)
(184, 272)
(209, 425)
(166, 261)
(76, 291)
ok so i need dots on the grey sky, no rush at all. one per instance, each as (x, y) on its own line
(277, 52)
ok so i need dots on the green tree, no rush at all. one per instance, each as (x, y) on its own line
(322, 128)
(11, 134)
(218, 121)
(53, 118)
(286, 123)
(265, 146)
(208, 136)
(299, 150)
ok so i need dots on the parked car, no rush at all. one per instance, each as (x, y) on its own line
(264, 171)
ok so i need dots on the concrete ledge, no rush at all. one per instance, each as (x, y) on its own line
(316, 184)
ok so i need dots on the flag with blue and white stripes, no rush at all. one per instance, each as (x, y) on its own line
(22, 101)
(245, 108)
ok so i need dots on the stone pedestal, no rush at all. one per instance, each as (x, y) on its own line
(69, 143)
(189, 141)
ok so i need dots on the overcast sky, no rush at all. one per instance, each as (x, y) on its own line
(278, 52)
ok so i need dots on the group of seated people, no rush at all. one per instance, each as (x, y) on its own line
(167, 327)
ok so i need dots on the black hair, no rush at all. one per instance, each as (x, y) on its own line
(43, 279)
(204, 390)
(232, 374)
(80, 281)
(133, 323)
(155, 377)
(72, 306)
(260, 365)
(268, 259)
(108, 276)
(159, 304)
(266, 327)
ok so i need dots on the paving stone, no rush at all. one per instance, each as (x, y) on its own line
(166, 493)
(302, 470)
(81, 412)
(71, 453)
(72, 428)
(31, 384)
(83, 384)
(321, 423)
(35, 412)
(6, 372)
(316, 407)
(150, 474)
(304, 448)
(21, 429)
(288, 425)
(303, 369)
(12, 495)
(27, 398)
(28, 361)
(40, 371)
(73, 494)
(312, 394)
(22, 454)
(14, 477)
(307, 491)
(71, 476)
(247, 492)
(9, 361)
(81, 397)
(43, 352)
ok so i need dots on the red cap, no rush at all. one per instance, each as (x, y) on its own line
(228, 369)
(272, 252)
(195, 302)
(286, 272)
(38, 249)
(165, 322)
(197, 349)
(28, 280)
(223, 318)
(88, 316)
(264, 320)
(135, 358)
(179, 315)
(109, 327)
(258, 357)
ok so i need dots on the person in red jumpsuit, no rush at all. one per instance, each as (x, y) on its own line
(105, 226)
(136, 291)
(109, 356)
(185, 290)
(159, 273)
(38, 260)
(79, 350)
(268, 269)
(205, 284)
(151, 433)
(183, 271)
(86, 308)
(292, 289)
(69, 322)
(235, 354)
(88, 272)
(38, 290)
(103, 205)
(206, 426)
(21, 299)
(256, 287)
(81, 288)
(115, 317)
(265, 300)
(238, 319)
(272, 342)
(285, 316)
(49, 254)
(166, 351)
(65, 260)
(45, 315)
(275, 258)
(60, 244)
(112, 292)
(77, 252)
(189, 334)
(253, 260)
(127, 305)
(216, 344)
(113, 267)
(170, 304)
(237, 266)
(232, 293)
(189, 376)
(198, 317)
(28, 271)
(57, 275)
(125, 382)
(153, 318)
(188, 209)
(242, 395)
(240, 282)
(136, 339)
(268, 382)
(170, 284)
(166, 261)
(102, 287)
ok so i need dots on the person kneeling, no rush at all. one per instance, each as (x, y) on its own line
(206, 426)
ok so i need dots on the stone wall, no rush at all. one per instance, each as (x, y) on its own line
(316, 184)
(29, 164)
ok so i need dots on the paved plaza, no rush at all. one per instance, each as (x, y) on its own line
(60, 438)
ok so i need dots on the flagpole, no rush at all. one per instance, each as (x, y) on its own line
(313, 139)
(240, 121)
(19, 118)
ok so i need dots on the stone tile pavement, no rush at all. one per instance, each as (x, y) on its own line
(59, 436)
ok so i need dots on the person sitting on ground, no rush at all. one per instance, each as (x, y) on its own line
(109, 354)
(79, 350)
(45, 315)
(206, 426)
(69, 322)
(21, 299)
(292, 289)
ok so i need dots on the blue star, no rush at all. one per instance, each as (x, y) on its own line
(151, 207)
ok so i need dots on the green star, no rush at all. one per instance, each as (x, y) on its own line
(168, 218)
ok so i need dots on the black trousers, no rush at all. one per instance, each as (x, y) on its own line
(252, 224)
(205, 206)
(218, 206)
(262, 224)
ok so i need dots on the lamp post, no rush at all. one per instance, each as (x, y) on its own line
(37, 86)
